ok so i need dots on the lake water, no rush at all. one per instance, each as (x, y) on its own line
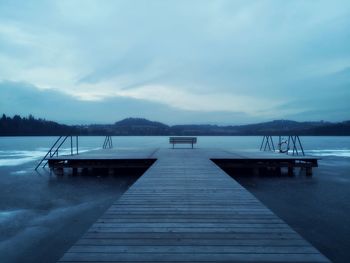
(42, 215)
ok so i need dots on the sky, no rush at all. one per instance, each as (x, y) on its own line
(183, 61)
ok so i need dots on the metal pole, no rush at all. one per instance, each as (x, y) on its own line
(262, 143)
(301, 146)
(288, 146)
(266, 143)
(71, 145)
(279, 144)
(77, 142)
(294, 145)
(273, 146)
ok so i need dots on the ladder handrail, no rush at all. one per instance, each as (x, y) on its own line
(262, 143)
(267, 144)
(58, 143)
(293, 143)
(108, 143)
(301, 146)
(49, 152)
(56, 151)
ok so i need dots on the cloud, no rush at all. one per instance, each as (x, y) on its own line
(200, 56)
(204, 102)
(58, 106)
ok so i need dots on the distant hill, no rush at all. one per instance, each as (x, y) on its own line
(139, 126)
(276, 127)
(338, 129)
(139, 122)
(18, 126)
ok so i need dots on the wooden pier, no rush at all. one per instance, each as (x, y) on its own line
(184, 208)
(111, 159)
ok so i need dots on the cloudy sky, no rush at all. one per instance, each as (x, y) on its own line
(225, 62)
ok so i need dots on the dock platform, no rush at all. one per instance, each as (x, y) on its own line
(184, 208)
(111, 158)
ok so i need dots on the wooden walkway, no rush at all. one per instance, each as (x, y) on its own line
(186, 209)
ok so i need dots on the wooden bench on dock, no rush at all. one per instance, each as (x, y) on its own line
(182, 140)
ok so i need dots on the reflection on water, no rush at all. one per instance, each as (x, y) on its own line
(42, 215)
(330, 152)
(15, 157)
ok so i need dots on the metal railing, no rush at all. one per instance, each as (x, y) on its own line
(55, 148)
(296, 143)
(292, 144)
(267, 144)
(108, 143)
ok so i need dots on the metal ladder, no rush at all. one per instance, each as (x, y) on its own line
(296, 143)
(56, 146)
(293, 143)
(267, 144)
(108, 144)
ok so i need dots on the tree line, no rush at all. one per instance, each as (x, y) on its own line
(30, 126)
(17, 126)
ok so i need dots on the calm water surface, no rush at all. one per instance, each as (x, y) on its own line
(42, 215)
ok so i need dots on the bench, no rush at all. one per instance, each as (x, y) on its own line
(183, 140)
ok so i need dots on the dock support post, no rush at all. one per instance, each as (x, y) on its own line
(308, 171)
(278, 171)
(59, 171)
(290, 171)
(262, 171)
(74, 171)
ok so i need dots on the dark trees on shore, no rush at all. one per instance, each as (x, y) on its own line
(30, 126)
(17, 126)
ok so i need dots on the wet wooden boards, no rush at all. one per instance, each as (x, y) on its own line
(186, 209)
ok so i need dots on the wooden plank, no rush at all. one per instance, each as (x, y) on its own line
(191, 242)
(191, 221)
(190, 230)
(199, 235)
(186, 217)
(192, 257)
(192, 249)
(190, 225)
